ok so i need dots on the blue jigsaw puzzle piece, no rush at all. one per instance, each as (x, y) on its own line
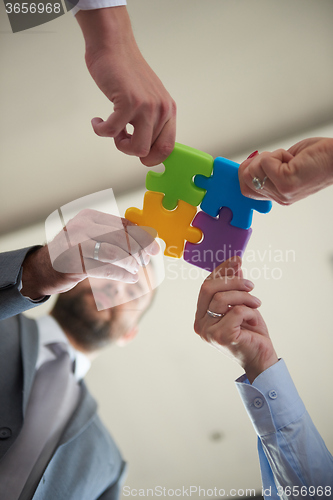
(223, 190)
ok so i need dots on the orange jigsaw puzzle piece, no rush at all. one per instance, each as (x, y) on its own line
(172, 226)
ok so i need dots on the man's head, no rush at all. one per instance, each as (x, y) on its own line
(99, 311)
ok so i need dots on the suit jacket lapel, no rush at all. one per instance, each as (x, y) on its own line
(87, 406)
(29, 342)
(82, 416)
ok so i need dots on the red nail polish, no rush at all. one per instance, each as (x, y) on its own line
(252, 154)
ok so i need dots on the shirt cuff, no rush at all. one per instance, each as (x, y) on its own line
(272, 401)
(96, 4)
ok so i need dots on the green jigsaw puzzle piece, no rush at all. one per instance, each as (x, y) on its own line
(176, 182)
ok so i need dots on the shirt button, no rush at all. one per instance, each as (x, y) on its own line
(272, 394)
(258, 402)
(5, 433)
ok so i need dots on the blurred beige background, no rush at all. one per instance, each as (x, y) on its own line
(246, 75)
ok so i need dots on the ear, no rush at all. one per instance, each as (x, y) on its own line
(128, 336)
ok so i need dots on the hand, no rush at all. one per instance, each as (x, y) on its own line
(241, 331)
(70, 257)
(304, 169)
(139, 97)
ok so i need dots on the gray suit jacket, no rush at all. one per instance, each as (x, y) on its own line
(87, 464)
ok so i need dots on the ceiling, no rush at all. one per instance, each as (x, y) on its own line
(245, 75)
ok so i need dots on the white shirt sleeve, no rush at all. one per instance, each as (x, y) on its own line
(292, 453)
(96, 4)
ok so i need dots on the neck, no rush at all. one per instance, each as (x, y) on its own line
(76, 345)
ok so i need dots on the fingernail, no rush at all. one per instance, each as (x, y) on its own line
(253, 154)
(248, 284)
(257, 301)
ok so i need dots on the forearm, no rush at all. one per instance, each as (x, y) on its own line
(297, 456)
(105, 31)
(291, 450)
(138, 96)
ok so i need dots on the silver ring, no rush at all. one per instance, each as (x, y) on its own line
(258, 184)
(96, 249)
(214, 315)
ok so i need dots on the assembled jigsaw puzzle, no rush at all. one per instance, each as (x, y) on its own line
(220, 230)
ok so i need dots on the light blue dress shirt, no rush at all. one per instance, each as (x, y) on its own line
(292, 453)
(51, 332)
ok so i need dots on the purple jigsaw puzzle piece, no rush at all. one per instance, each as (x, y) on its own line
(220, 242)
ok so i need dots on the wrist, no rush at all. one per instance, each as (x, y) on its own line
(254, 369)
(31, 275)
(329, 148)
(104, 30)
(38, 276)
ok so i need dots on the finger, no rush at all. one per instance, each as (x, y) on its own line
(137, 233)
(211, 287)
(144, 235)
(139, 143)
(94, 220)
(132, 239)
(223, 301)
(230, 331)
(272, 166)
(251, 169)
(281, 190)
(119, 240)
(163, 145)
(240, 315)
(113, 126)
(167, 111)
(260, 184)
(110, 271)
(227, 268)
(239, 274)
(108, 254)
(118, 237)
(276, 165)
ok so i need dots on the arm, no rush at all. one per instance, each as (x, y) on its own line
(139, 97)
(70, 258)
(304, 169)
(11, 300)
(288, 440)
(292, 453)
